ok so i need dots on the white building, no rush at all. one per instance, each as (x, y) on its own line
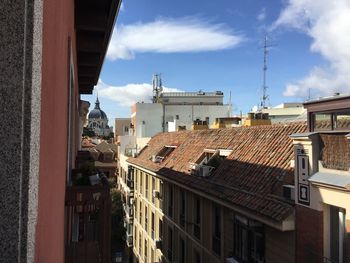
(177, 110)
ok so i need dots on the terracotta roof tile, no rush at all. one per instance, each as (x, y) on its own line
(250, 177)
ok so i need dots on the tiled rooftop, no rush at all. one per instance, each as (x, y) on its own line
(251, 177)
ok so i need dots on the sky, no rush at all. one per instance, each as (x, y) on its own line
(217, 45)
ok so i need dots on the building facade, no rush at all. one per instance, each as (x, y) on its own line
(177, 110)
(322, 182)
(98, 121)
(212, 196)
(49, 56)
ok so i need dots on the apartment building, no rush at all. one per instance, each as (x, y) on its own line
(322, 182)
(177, 109)
(51, 52)
(213, 196)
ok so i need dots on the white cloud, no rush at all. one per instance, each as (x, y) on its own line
(328, 24)
(170, 36)
(129, 94)
(262, 15)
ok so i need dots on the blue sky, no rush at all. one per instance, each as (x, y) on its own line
(216, 45)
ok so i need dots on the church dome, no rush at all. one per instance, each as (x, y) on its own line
(97, 113)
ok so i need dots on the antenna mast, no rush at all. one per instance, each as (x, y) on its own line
(265, 96)
(157, 87)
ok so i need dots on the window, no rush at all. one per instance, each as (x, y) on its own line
(145, 252)
(153, 188)
(337, 233)
(160, 229)
(152, 226)
(197, 218)
(182, 251)
(170, 244)
(141, 178)
(161, 190)
(140, 246)
(177, 117)
(140, 209)
(327, 121)
(146, 219)
(182, 209)
(126, 129)
(216, 240)
(163, 153)
(170, 201)
(146, 186)
(249, 241)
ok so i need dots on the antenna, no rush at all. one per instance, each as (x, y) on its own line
(157, 87)
(265, 96)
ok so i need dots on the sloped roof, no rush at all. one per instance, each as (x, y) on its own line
(107, 147)
(250, 177)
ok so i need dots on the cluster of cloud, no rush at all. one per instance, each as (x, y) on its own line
(129, 94)
(328, 24)
(187, 34)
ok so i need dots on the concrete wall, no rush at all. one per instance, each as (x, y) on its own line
(20, 89)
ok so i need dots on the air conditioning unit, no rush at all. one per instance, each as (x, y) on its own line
(156, 159)
(289, 192)
(158, 244)
(204, 170)
(156, 194)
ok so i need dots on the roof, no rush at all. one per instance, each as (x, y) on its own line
(107, 147)
(339, 180)
(251, 177)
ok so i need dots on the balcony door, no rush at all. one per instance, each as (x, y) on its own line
(337, 232)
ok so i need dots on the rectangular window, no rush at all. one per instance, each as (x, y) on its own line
(327, 121)
(337, 233)
(161, 190)
(136, 179)
(249, 241)
(145, 259)
(153, 188)
(170, 244)
(160, 229)
(146, 219)
(170, 201)
(182, 209)
(197, 218)
(140, 245)
(216, 240)
(146, 186)
(152, 231)
(141, 178)
(140, 217)
(182, 251)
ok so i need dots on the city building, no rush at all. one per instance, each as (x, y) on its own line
(177, 110)
(121, 127)
(322, 182)
(98, 121)
(212, 196)
(51, 52)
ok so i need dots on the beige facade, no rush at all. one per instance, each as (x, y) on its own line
(174, 224)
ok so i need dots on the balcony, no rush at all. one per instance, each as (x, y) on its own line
(130, 184)
(129, 240)
(88, 224)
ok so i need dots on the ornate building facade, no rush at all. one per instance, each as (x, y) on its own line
(98, 121)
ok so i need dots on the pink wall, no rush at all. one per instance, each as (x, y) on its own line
(58, 26)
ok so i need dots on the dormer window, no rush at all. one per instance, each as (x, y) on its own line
(208, 161)
(163, 153)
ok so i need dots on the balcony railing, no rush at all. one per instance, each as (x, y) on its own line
(88, 222)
